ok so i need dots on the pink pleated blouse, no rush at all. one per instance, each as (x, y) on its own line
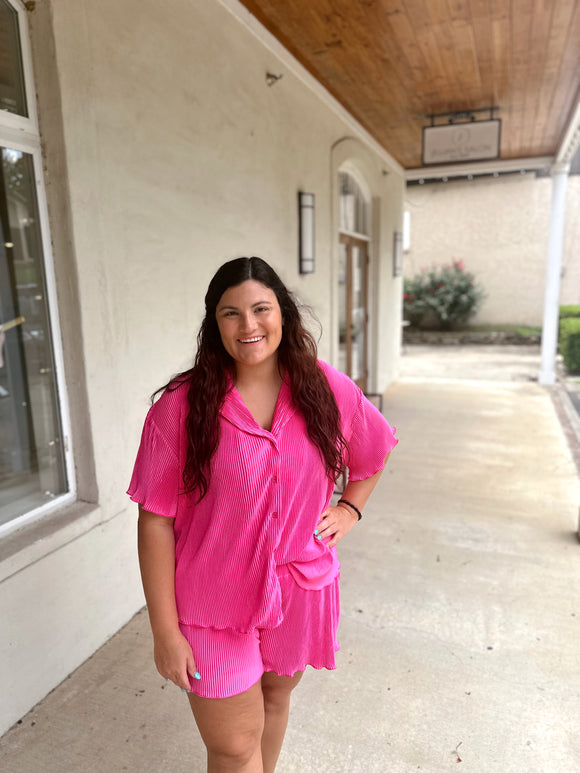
(266, 494)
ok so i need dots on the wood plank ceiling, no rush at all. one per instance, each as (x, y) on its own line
(391, 63)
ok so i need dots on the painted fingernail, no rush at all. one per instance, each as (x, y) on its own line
(183, 689)
(315, 532)
(197, 675)
(319, 536)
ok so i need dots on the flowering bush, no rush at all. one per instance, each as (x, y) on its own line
(442, 296)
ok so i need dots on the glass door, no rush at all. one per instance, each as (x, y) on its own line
(353, 304)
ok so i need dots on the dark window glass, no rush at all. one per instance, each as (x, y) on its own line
(12, 93)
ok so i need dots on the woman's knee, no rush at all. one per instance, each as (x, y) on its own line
(236, 751)
(234, 744)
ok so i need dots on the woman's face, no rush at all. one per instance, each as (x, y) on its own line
(250, 324)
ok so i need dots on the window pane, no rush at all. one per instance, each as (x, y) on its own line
(342, 310)
(354, 216)
(358, 325)
(12, 94)
(32, 468)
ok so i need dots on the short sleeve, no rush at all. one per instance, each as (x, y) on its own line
(156, 479)
(371, 439)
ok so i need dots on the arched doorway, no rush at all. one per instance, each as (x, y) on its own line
(353, 261)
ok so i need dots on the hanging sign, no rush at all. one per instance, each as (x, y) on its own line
(456, 142)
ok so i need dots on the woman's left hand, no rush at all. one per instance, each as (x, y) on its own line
(334, 523)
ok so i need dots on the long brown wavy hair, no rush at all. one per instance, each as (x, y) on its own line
(208, 379)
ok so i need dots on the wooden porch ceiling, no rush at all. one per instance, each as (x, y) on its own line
(391, 63)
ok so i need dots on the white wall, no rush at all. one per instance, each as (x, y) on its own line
(166, 154)
(499, 228)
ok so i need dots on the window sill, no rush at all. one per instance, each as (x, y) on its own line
(40, 538)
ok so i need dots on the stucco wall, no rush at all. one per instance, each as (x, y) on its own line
(499, 228)
(166, 154)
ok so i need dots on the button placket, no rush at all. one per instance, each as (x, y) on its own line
(275, 497)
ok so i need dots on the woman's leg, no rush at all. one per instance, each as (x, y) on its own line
(231, 729)
(276, 690)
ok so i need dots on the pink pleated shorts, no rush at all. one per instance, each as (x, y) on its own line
(230, 662)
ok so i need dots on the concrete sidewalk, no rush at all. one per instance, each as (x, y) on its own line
(460, 611)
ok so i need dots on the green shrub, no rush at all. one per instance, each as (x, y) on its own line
(449, 295)
(570, 342)
(565, 312)
(569, 311)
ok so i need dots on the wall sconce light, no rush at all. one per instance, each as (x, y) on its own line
(397, 253)
(306, 232)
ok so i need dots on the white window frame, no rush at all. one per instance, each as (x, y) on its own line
(13, 120)
(19, 133)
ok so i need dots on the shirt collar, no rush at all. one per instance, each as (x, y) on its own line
(234, 410)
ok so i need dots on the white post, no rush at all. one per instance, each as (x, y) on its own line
(552, 296)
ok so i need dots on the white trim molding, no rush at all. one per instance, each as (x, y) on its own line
(479, 168)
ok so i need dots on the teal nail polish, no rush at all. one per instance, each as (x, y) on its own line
(183, 689)
(319, 537)
(197, 675)
(315, 532)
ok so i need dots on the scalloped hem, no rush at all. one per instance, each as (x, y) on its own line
(232, 628)
(326, 667)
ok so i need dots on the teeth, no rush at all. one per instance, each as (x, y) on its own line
(251, 340)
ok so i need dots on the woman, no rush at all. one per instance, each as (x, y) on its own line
(234, 478)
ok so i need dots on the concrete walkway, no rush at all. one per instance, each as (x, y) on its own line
(460, 610)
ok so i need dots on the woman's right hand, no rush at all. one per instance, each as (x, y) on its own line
(174, 658)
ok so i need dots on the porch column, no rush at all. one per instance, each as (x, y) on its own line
(554, 266)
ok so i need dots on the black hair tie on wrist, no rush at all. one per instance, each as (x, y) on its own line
(357, 511)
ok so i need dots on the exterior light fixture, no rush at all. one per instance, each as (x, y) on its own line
(397, 253)
(306, 232)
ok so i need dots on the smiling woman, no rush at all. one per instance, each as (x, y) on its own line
(237, 536)
(250, 324)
